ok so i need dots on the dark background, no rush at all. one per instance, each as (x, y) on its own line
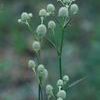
(81, 57)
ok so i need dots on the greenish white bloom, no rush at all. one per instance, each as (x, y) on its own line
(50, 8)
(25, 16)
(42, 13)
(31, 64)
(41, 30)
(36, 46)
(49, 90)
(63, 12)
(42, 73)
(51, 24)
(74, 9)
(65, 79)
(60, 83)
(61, 94)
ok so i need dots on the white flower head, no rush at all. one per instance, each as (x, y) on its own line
(60, 83)
(49, 90)
(31, 64)
(36, 46)
(42, 13)
(42, 73)
(63, 12)
(41, 30)
(65, 79)
(50, 8)
(51, 24)
(61, 94)
(74, 9)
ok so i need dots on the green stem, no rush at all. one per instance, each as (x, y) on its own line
(60, 66)
(39, 92)
(60, 54)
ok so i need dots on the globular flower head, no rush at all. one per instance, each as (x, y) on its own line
(41, 30)
(50, 8)
(49, 90)
(60, 83)
(63, 12)
(31, 64)
(61, 94)
(36, 46)
(51, 24)
(42, 73)
(65, 79)
(74, 9)
(42, 13)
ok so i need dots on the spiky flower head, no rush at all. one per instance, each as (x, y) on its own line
(51, 24)
(65, 79)
(49, 90)
(61, 94)
(41, 30)
(42, 13)
(63, 12)
(36, 46)
(74, 9)
(42, 73)
(60, 83)
(50, 8)
(31, 64)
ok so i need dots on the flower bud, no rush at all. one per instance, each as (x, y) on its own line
(61, 94)
(36, 46)
(31, 64)
(65, 79)
(60, 83)
(49, 90)
(30, 15)
(19, 21)
(74, 9)
(24, 16)
(50, 8)
(42, 13)
(51, 24)
(63, 12)
(41, 30)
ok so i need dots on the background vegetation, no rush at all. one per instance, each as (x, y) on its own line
(81, 51)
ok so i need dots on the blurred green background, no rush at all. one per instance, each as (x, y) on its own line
(81, 55)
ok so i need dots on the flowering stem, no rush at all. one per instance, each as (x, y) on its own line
(61, 47)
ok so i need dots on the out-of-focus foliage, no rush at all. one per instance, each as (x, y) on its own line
(81, 56)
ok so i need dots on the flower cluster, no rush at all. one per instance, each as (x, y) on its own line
(65, 12)
(69, 8)
(25, 17)
(61, 94)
